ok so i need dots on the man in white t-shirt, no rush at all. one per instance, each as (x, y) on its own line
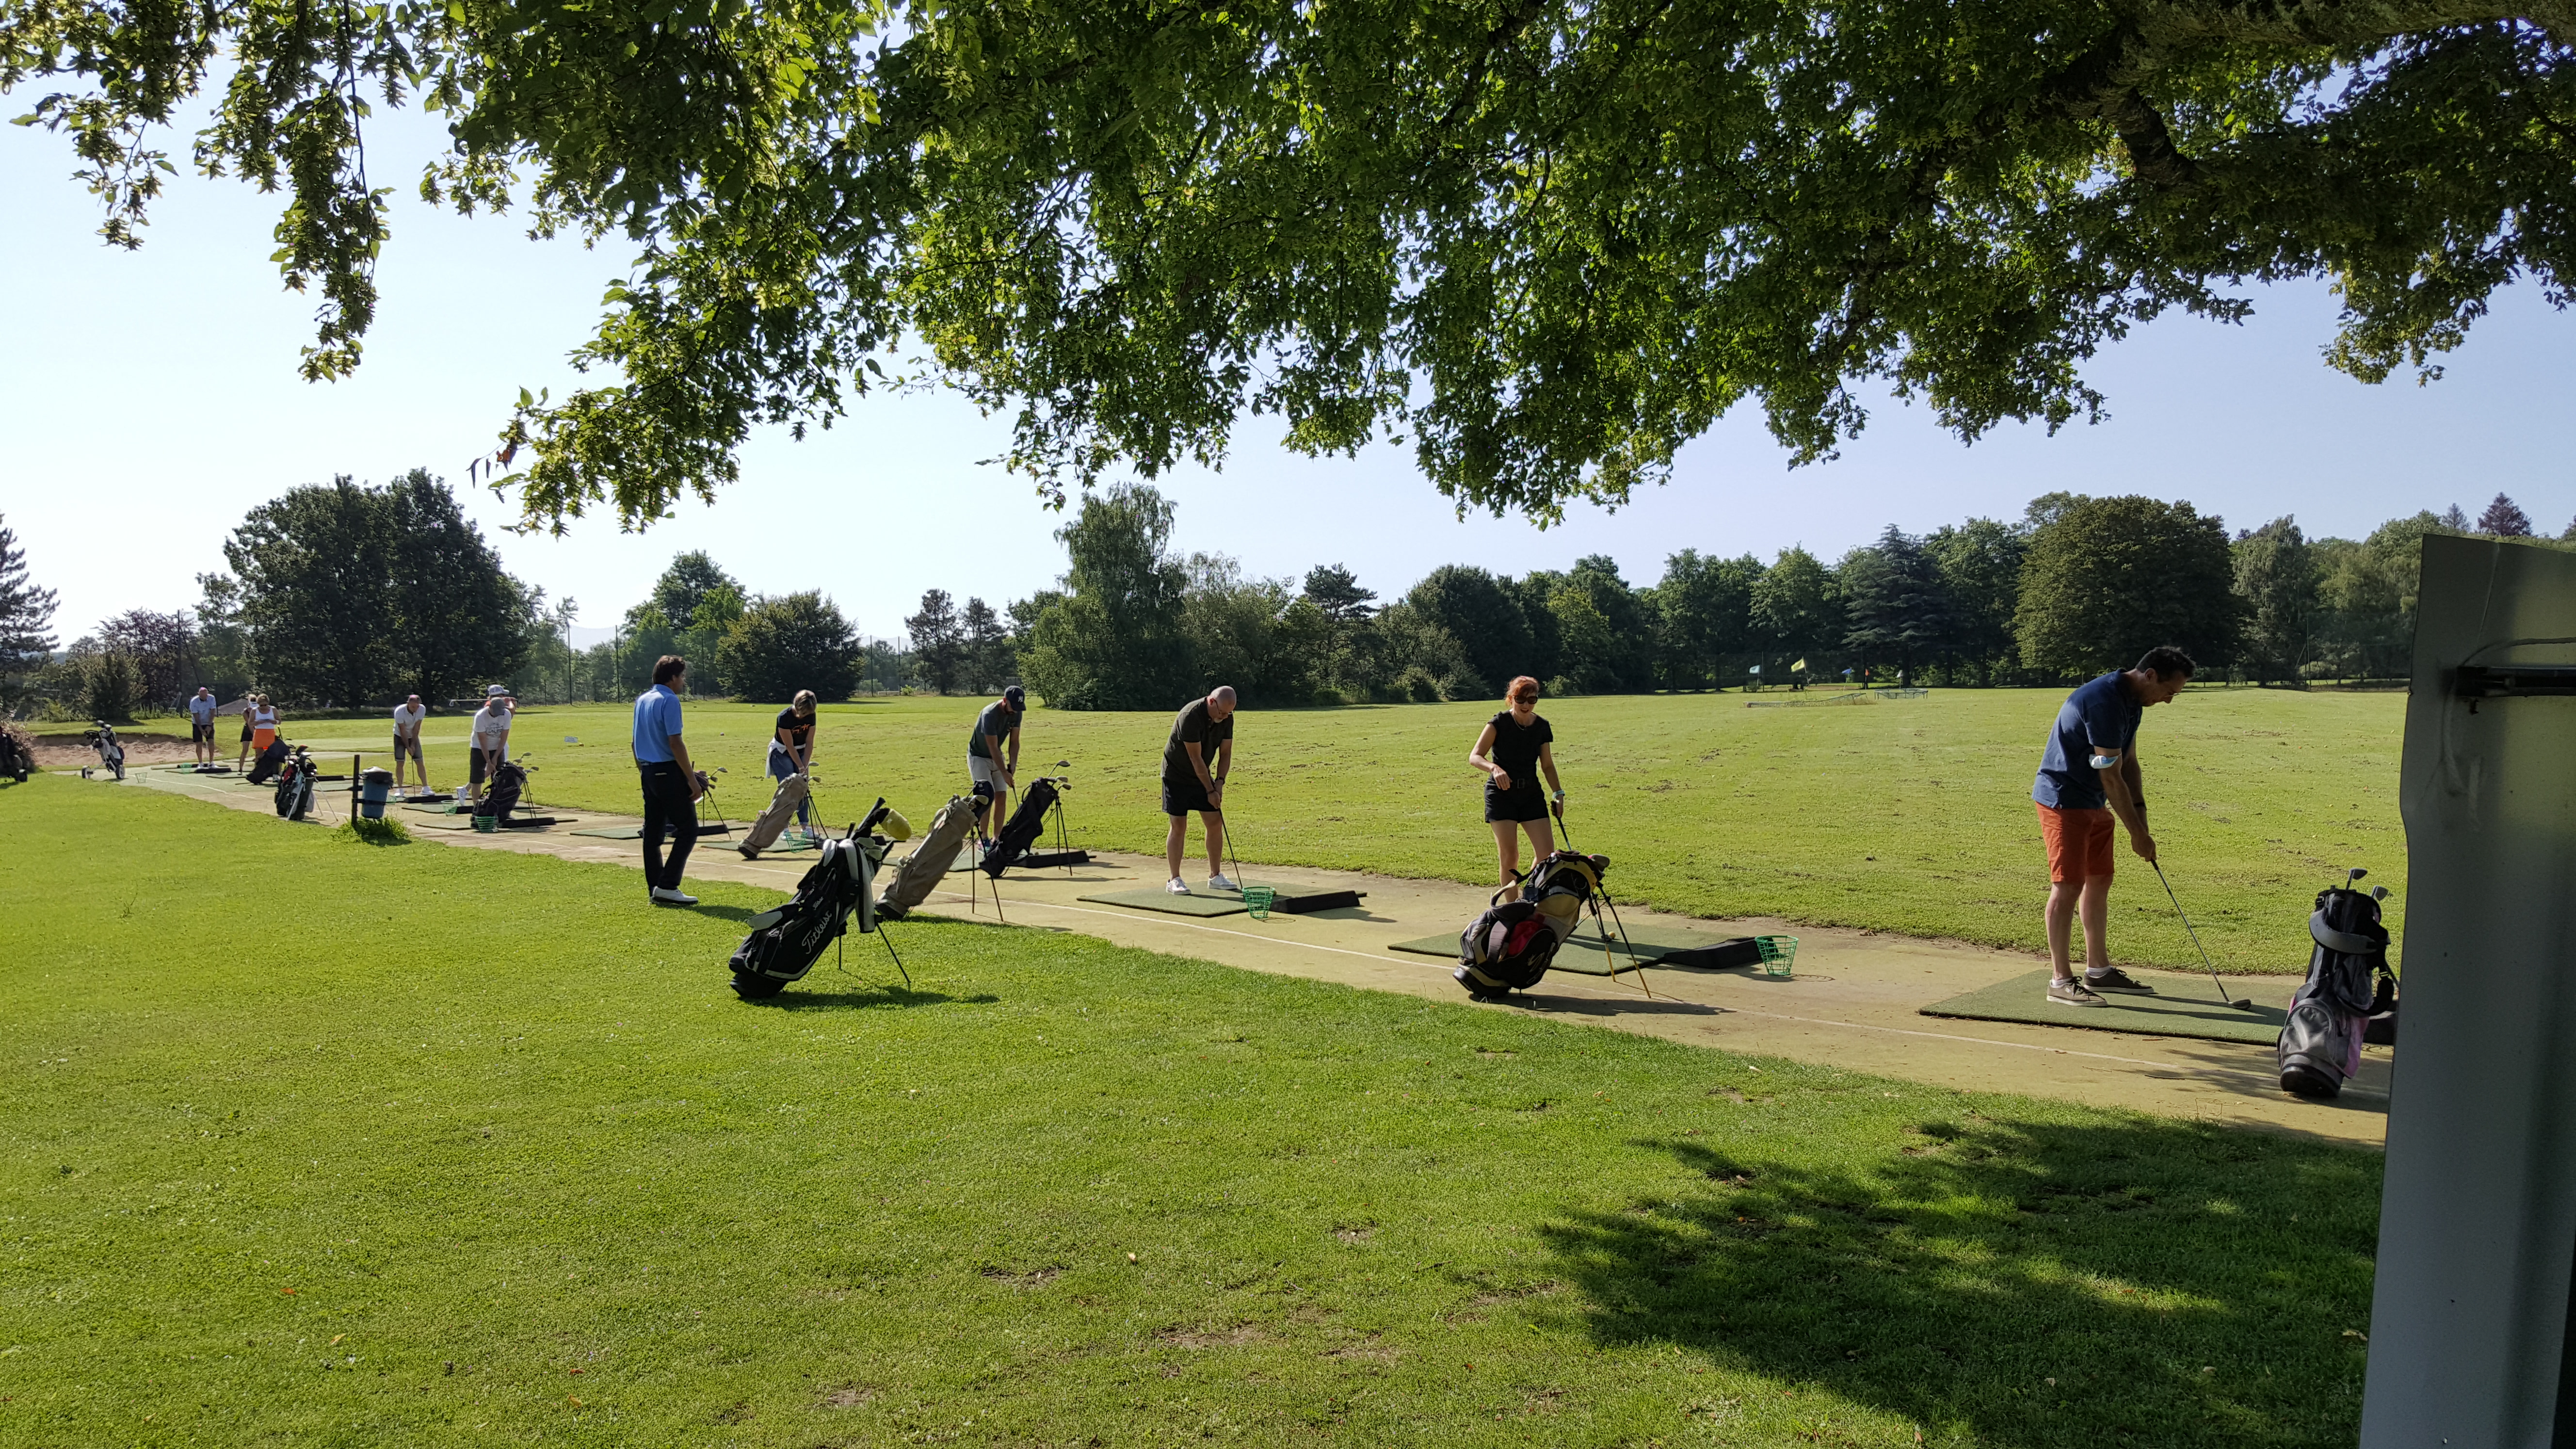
(201, 724)
(491, 738)
(407, 718)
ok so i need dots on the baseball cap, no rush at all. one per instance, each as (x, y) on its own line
(1015, 697)
(495, 691)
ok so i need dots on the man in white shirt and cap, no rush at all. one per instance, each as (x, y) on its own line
(407, 720)
(491, 738)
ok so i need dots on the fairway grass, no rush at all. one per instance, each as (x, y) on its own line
(312, 1140)
(1911, 816)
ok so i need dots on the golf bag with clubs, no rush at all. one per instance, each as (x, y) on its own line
(772, 822)
(2348, 981)
(295, 786)
(920, 872)
(111, 755)
(265, 765)
(1511, 945)
(502, 792)
(1026, 824)
(17, 754)
(785, 943)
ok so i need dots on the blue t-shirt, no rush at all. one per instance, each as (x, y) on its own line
(2099, 715)
(657, 718)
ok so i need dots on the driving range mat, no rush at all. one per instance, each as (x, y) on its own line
(1169, 904)
(1577, 956)
(1648, 944)
(2177, 1010)
(636, 832)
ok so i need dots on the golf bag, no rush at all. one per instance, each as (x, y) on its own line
(295, 786)
(111, 755)
(785, 943)
(1511, 945)
(1026, 825)
(501, 793)
(2348, 977)
(17, 757)
(921, 871)
(765, 829)
(265, 765)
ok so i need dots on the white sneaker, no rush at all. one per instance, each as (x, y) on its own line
(1220, 883)
(1176, 887)
(665, 896)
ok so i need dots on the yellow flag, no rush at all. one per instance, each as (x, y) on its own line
(1801, 664)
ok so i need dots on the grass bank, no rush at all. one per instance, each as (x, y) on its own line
(1910, 816)
(310, 1138)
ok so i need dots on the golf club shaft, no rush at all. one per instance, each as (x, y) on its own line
(2158, 867)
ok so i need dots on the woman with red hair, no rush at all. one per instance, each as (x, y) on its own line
(1515, 746)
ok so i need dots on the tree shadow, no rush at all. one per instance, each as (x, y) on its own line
(2011, 1283)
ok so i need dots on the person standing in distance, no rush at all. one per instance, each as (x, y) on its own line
(2088, 775)
(1513, 748)
(491, 743)
(249, 707)
(672, 785)
(407, 718)
(986, 764)
(201, 724)
(791, 750)
(1191, 783)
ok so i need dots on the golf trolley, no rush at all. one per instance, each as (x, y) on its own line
(101, 736)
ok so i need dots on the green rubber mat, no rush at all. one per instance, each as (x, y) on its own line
(636, 832)
(2183, 1006)
(1580, 955)
(440, 822)
(1170, 905)
(1644, 944)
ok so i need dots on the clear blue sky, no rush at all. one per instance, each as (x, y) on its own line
(151, 398)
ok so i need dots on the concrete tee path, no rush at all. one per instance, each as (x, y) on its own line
(1854, 1002)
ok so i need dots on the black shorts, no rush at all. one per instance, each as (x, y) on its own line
(245, 729)
(1184, 794)
(1518, 805)
(474, 768)
(202, 731)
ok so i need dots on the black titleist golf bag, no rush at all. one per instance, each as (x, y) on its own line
(1026, 824)
(294, 785)
(785, 943)
(17, 756)
(2348, 982)
(1511, 945)
(501, 793)
(265, 765)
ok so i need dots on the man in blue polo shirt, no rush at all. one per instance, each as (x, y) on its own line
(672, 786)
(2088, 775)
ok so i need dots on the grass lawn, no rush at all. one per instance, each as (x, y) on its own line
(305, 1138)
(1911, 816)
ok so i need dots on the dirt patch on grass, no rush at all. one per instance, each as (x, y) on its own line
(1235, 1337)
(70, 752)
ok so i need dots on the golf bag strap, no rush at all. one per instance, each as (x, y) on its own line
(2334, 940)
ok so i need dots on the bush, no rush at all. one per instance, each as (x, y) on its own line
(110, 686)
(782, 645)
(362, 831)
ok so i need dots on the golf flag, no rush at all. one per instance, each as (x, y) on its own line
(1801, 664)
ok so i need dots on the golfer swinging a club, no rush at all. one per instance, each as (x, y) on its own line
(993, 755)
(2088, 775)
(1190, 783)
(1513, 748)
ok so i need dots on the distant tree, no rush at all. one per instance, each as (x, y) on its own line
(1980, 566)
(938, 641)
(2276, 589)
(1587, 645)
(1336, 594)
(685, 585)
(1482, 617)
(1535, 592)
(883, 665)
(702, 640)
(26, 617)
(781, 645)
(2454, 520)
(1403, 655)
(2362, 625)
(316, 592)
(162, 649)
(2047, 508)
(1252, 633)
(223, 645)
(2111, 578)
(110, 684)
(457, 619)
(989, 661)
(1797, 609)
(2570, 534)
(1115, 639)
(1894, 604)
(1704, 612)
(1628, 662)
(2504, 519)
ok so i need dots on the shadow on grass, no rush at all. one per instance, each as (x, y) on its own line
(2009, 1283)
(735, 914)
(869, 998)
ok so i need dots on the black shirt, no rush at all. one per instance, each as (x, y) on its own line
(997, 721)
(1516, 748)
(800, 732)
(1193, 727)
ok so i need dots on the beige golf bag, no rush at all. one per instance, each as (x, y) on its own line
(931, 857)
(764, 831)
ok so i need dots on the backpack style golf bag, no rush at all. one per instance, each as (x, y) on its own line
(17, 757)
(785, 943)
(295, 786)
(920, 872)
(501, 793)
(111, 755)
(771, 822)
(265, 765)
(1511, 945)
(2348, 980)
(1026, 825)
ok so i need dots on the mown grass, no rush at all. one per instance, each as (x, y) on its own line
(303, 1139)
(1911, 816)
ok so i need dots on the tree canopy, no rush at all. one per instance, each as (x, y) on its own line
(1547, 242)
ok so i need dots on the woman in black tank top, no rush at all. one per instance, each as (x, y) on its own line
(1514, 749)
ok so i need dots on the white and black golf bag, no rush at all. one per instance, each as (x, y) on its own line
(785, 943)
(111, 754)
(2348, 983)
(295, 786)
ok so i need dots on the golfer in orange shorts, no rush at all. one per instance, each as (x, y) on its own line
(2088, 777)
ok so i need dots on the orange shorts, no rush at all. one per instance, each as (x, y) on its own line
(2079, 842)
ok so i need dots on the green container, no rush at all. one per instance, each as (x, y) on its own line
(1779, 953)
(1256, 901)
(489, 824)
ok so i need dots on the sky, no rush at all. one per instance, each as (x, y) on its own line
(151, 400)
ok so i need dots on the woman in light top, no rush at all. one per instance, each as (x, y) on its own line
(263, 724)
(1514, 748)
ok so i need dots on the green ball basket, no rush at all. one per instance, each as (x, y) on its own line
(1256, 901)
(1779, 954)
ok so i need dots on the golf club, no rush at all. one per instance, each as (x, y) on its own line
(2239, 1004)
(1557, 809)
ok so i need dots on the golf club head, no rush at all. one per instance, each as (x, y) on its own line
(2352, 875)
(2379, 893)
